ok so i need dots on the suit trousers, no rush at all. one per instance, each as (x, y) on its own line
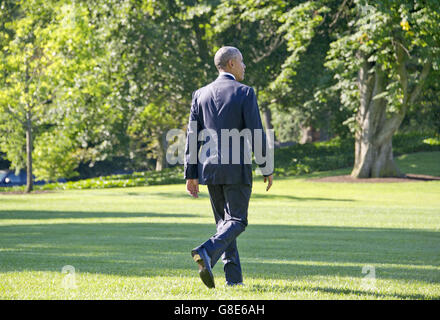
(230, 204)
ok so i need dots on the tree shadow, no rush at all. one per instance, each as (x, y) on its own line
(170, 195)
(287, 197)
(37, 215)
(337, 291)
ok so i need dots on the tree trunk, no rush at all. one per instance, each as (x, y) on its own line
(161, 161)
(29, 179)
(324, 131)
(375, 128)
(268, 118)
(309, 134)
(374, 155)
(373, 161)
(268, 121)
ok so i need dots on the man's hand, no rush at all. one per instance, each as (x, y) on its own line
(192, 186)
(269, 184)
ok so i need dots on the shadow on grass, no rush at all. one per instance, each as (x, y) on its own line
(336, 291)
(267, 251)
(37, 215)
(287, 197)
(168, 195)
(274, 197)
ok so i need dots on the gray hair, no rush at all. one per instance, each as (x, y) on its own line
(223, 55)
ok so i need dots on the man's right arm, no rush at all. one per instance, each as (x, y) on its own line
(192, 144)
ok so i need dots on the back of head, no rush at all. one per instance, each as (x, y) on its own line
(223, 55)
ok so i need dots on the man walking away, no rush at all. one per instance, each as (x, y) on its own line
(225, 104)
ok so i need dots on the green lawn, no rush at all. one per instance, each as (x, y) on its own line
(420, 163)
(305, 240)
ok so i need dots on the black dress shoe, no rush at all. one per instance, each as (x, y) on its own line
(204, 261)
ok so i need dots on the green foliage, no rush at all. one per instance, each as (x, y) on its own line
(252, 27)
(46, 82)
(298, 26)
(339, 153)
(106, 79)
(319, 156)
(411, 142)
(397, 38)
(55, 157)
(165, 176)
(295, 160)
(13, 142)
(26, 78)
(432, 141)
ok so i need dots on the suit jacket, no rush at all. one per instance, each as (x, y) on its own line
(223, 104)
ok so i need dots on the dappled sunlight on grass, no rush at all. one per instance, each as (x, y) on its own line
(305, 240)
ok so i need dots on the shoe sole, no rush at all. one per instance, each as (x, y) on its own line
(205, 275)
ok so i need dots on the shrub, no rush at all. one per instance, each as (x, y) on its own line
(289, 161)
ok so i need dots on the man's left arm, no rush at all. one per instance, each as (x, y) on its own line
(252, 121)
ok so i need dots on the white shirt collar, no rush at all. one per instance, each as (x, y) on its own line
(227, 73)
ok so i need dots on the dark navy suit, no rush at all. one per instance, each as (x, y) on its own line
(224, 104)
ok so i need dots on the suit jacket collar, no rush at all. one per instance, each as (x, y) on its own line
(226, 75)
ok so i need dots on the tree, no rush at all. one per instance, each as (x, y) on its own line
(382, 63)
(284, 44)
(25, 84)
(253, 28)
(50, 75)
(293, 91)
(381, 54)
(172, 64)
